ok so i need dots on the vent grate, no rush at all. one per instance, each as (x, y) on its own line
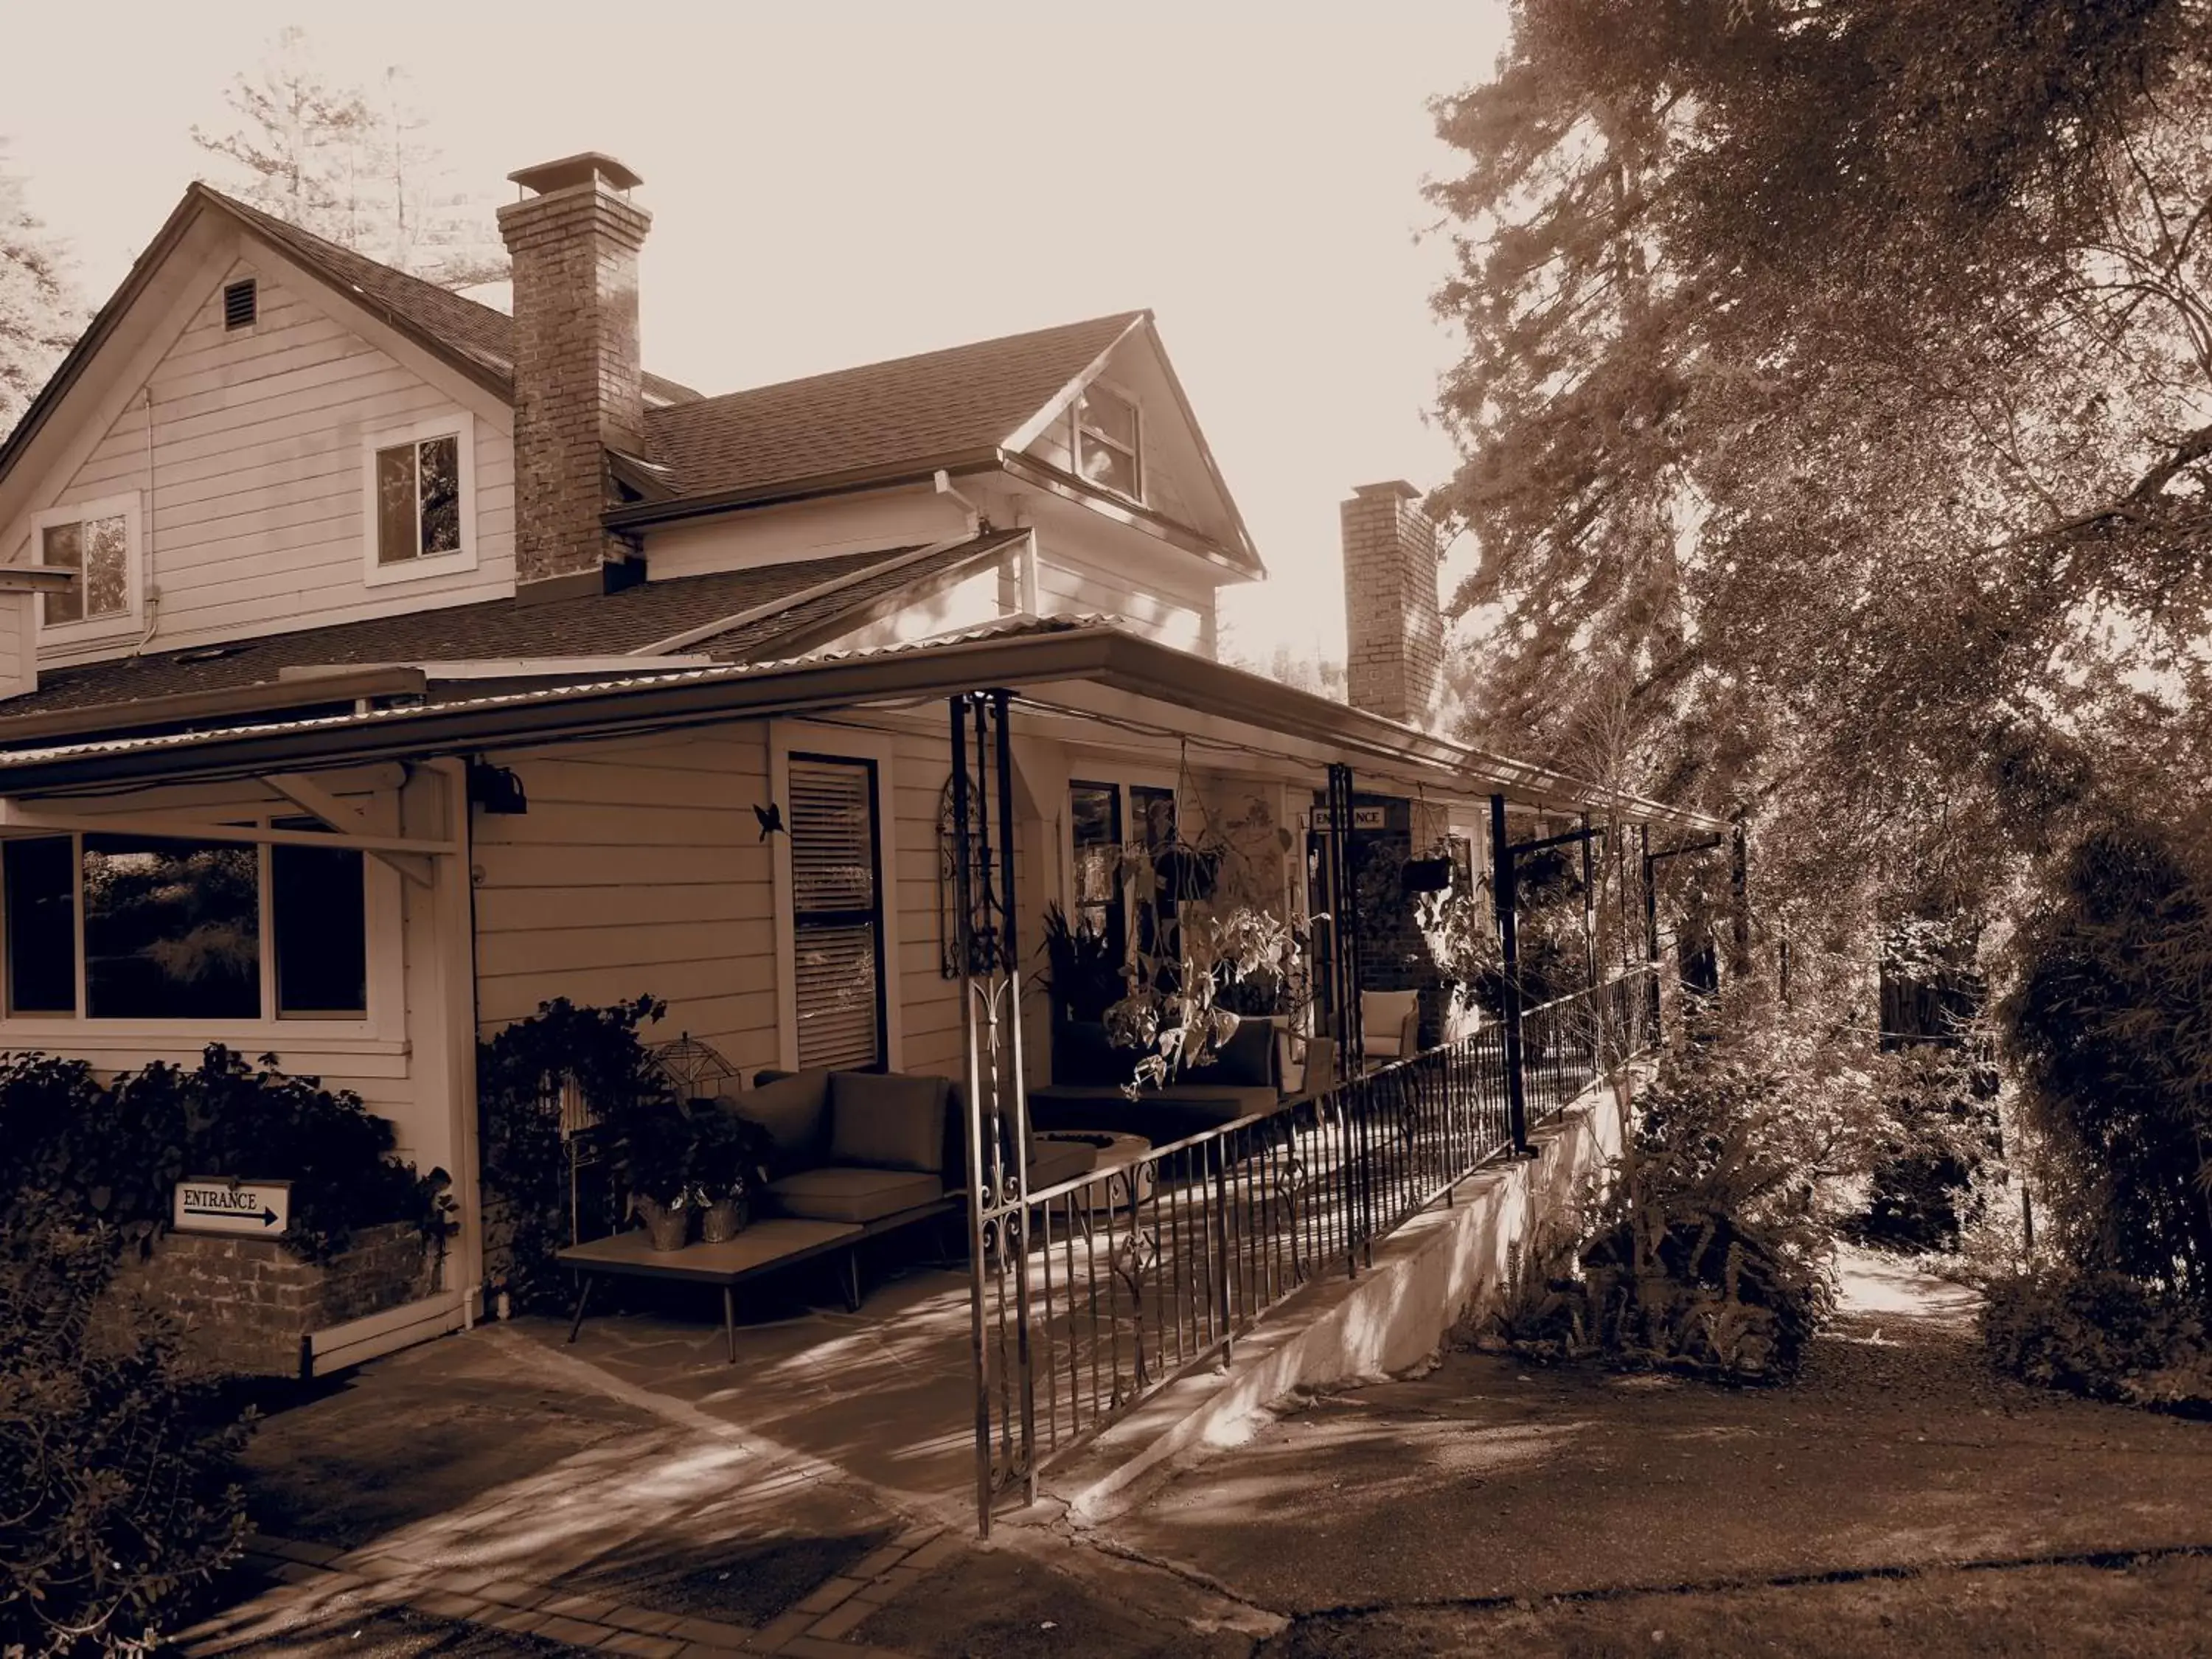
(240, 303)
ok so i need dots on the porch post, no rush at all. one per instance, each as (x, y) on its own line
(1590, 904)
(1739, 883)
(1651, 937)
(1509, 952)
(1016, 1083)
(972, 1077)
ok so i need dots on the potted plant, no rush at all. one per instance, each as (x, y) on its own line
(1081, 968)
(657, 1154)
(729, 1169)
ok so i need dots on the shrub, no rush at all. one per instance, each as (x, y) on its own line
(1707, 1253)
(120, 1504)
(1936, 1126)
(107, 1154)
(520, 1072)
(2103, 1335)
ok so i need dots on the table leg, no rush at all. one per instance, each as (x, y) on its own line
(730, 1321)
(851, 1281)
(583, 1294)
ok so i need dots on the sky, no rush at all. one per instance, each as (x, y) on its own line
(834, 184)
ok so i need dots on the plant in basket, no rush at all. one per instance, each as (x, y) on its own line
(657, 1156)
(729, 1169)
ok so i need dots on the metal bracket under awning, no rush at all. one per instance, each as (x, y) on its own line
(408, 855)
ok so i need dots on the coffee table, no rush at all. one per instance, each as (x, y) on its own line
(766, 1245)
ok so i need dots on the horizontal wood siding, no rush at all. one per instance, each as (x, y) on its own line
(638, 870)
(253, 501)
(1070, 585)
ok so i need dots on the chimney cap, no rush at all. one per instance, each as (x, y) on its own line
(585, 167)
(1397, 487)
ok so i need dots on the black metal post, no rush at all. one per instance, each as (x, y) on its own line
(1651, 898)
(979, 1171)
(1739, 883)
(1590, 904)
(1509, 951)
(1017, 1090)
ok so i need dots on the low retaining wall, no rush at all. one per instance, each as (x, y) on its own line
(247, 1306)
(1451, 1262)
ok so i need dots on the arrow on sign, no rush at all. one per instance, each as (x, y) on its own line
(268, 1216)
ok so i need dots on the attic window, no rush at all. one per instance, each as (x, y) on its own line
(240, 303)
(419, 507)
(1107, 448)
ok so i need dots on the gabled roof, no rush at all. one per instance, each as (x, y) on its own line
(820, 597)
(450, 323)
(935, 404)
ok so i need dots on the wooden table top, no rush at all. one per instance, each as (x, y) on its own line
(765, 1244)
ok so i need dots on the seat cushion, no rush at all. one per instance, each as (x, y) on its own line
(888, 1122)
(845, 1193)
(795, 1112)
(1384, 1019)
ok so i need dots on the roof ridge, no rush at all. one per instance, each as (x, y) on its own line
(1122, 319)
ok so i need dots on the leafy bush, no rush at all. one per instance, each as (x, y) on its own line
(78, 1150)
(120, 1504)
(2102, 1335)
(520, 1072)
(1707, 1253)
(1936, 1128)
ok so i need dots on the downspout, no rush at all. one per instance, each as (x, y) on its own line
(149, 592)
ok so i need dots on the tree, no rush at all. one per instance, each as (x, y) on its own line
(350, 168)
(1838, 381)
(40, 313)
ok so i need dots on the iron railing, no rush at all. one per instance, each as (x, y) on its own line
(1106, 1287)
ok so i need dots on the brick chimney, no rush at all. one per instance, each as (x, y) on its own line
(1394, 660)
(575, 237)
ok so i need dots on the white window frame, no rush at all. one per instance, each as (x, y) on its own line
(785, 738)
(129, 619)
(460, 426)
(1125, 779)
(1078, 434)
(381, 1023)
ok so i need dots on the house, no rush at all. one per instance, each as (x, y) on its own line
(461, 662)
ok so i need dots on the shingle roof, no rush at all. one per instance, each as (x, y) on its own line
(441, 319)
(910, 409)
(596, 624)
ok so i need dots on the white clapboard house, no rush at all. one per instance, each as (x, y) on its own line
(476, 662)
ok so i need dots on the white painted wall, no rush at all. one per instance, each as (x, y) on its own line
(251, 494)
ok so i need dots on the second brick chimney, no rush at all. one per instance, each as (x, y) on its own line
(1394, 660)
(578, 393)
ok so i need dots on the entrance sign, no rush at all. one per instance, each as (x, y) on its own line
(1363, 817)
(214, 1204)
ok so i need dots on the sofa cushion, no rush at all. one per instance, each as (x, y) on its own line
(1385, 1018)
(887, 1121)
(849, 1194)
(1083, 1056)
(795, 1112)
(1160, 1115)
(1245, 1060)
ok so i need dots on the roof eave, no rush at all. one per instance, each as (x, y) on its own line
(639, 515)
(1097, 653)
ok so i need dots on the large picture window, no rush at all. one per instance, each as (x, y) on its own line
(140, 928)
(836, 911)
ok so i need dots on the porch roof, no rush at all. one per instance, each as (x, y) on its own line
(1089, 668)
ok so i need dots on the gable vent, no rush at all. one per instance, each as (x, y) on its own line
(239, 301)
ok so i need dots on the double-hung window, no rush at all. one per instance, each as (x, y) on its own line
(115, 927)
(419, 515)
(836, 912)
(99, 540)
(1107, 450)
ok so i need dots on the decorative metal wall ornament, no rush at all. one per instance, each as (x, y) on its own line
(770, 819)
(695, 1069)
(983, 935)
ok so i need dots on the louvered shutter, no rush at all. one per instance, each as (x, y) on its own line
(837, 924)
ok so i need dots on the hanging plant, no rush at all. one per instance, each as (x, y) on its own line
(1432, 875)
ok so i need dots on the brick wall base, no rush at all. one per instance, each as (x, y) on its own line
(247, 1304)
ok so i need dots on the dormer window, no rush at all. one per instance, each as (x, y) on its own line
(1107, 448)
(99, 540)
(419, 512)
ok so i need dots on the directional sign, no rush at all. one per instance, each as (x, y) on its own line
(216, 1204)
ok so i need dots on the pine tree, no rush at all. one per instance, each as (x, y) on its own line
(40, 311)
(352, 169)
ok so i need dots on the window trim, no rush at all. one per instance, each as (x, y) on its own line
(1080, 432)
(811, 740)
(380, 1024)
(461, 426)
(128, 620)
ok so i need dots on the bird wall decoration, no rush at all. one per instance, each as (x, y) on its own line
(771, 819)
